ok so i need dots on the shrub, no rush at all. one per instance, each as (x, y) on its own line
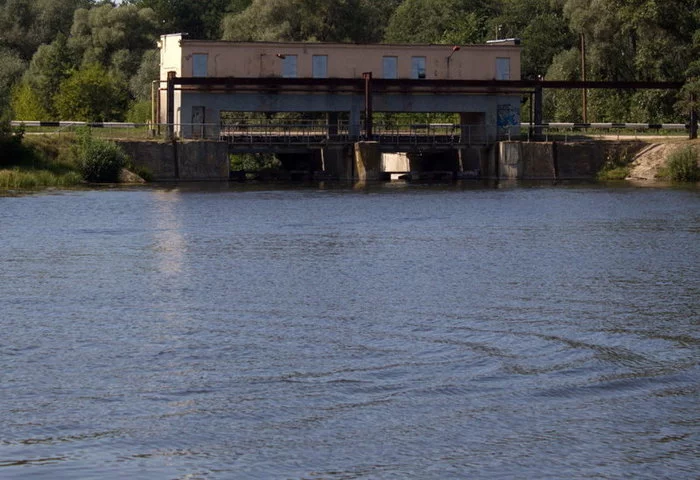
(12, 151)
(616, 167)
(682, 165)
(99, 160)
(139, 112)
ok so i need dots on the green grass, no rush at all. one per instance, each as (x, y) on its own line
(616, 166)
(18, 179)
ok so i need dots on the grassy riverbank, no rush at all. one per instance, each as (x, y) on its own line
(41, 161)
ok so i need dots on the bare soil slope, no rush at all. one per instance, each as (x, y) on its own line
(649, 160)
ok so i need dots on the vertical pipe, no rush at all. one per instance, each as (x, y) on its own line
(368, 104)
(693, 116)
(154, 92)
(170, 105)
(584, 94)
(538, 113)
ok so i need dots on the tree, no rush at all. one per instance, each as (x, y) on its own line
(440, 21)
(199, 19)
(303, 20)
(91, 94)
(50, 65)
(11, 69)
(26, 24)
(542, 28)
(113, 36)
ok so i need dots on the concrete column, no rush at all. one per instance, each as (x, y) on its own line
(368, 161)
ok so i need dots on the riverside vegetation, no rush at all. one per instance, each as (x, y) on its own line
(58, 161)
(682, 166)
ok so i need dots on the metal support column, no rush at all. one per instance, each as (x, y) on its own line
(170, 106)
(368, 104)
(538, 113)
(693, 117)
(332, 121)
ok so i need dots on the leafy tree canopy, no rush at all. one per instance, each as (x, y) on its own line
(305, 20)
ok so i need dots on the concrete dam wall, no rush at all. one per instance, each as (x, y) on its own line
(209, 160)
(560, 161)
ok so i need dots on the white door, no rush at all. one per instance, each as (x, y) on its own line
(319, 66)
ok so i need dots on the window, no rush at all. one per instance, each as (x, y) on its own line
(199, 65)
(319, 66)
(390, 67)
(417, 67)
(502, 68)
(289, 66)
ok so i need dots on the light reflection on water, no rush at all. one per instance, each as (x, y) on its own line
(425, 332)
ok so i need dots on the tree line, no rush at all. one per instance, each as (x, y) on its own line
(95, 60)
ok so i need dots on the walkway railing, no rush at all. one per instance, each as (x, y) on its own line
(314, 133)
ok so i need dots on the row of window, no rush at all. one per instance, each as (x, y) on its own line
(319, 66)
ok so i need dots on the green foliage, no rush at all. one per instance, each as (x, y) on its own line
(26, 105)
(99, 160)
(303, 20)
(11, 68)
(111, 35)
(50, 65)
(12, 150)
(616, 166)
(139, 112)
(18, 179)
(200, 19)
(27, 24)
(682, 166)
(439, 21)
(148, 71)
(92, 95)
(250, 162)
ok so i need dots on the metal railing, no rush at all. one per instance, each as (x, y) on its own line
(314, 133)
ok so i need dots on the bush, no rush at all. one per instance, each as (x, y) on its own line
(99, 160)
(139, 112)
(682, 165)
(616, 167)
(12, 151)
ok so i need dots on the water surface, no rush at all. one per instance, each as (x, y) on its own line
(338, 333)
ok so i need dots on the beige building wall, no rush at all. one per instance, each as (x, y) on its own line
(241, 59)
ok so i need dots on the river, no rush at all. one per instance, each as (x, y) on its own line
(428, 332)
